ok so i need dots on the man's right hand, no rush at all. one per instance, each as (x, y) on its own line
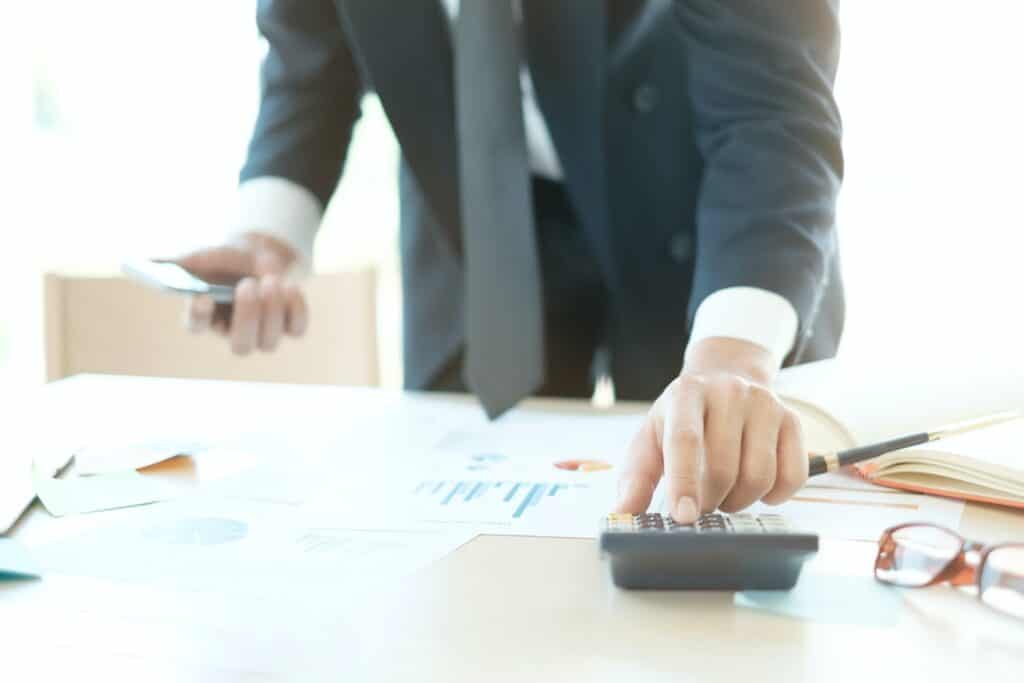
(266, 305)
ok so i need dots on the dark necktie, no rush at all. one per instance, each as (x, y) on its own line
(504, 325)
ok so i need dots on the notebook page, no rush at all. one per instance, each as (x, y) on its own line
(877, 401)
(1001, 445)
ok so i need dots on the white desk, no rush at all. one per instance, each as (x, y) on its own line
(499, 608)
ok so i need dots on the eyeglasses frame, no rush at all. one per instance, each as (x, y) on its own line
(958, 571)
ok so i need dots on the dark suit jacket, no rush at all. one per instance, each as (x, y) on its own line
(699, 138)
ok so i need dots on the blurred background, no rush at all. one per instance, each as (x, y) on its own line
(123, 125)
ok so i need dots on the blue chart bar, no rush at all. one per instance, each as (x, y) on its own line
(521, 495)
(512, 491)
(475, 491)
(530, 500)
(452, 493)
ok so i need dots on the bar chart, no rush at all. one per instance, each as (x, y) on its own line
(514, 498)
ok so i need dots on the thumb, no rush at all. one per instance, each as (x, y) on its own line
(643, 467)
(269, 262)
(217, 260)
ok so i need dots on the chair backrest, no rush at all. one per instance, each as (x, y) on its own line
(112, 325)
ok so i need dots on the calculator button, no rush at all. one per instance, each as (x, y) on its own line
(774, 523)
(711, 523)
(745, 523)
(651, 522)
(673, 527)
(620, 522)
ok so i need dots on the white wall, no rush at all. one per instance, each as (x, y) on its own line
(931, 220)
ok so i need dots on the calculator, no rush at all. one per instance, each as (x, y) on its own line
(720, 552)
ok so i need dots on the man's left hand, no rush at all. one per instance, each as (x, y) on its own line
(718, 435)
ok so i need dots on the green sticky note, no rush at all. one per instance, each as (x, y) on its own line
(830, 598)
(15, 561)
(98, 492)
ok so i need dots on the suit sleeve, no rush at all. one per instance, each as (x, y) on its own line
(310, 95)
(768, 129)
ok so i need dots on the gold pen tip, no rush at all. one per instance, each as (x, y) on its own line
(976, 423)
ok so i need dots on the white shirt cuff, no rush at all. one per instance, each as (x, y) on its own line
(748, 313)
(283, 209)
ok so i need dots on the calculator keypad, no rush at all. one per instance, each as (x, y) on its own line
(711, 523)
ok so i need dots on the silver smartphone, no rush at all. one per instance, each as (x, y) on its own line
(171, 277)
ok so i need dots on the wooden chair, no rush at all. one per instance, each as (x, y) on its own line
(112, 325)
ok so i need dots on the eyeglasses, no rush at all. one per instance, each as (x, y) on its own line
(918, 555)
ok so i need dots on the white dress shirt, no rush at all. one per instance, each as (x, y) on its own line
(291, 213)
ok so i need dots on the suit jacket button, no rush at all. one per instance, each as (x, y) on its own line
(680, 247)
(645, 98)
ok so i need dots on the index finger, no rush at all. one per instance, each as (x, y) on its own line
(199, 313)
(296, 312)
(682, 446)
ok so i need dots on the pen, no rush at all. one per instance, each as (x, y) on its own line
(830, 462)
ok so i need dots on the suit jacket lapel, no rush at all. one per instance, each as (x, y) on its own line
(566, 45)
(406, 52)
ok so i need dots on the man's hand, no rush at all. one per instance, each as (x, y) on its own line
(718, 435)
(265, 308)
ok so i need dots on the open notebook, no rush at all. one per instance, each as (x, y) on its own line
(844, 405)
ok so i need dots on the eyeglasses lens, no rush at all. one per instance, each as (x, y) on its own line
(914, 555)
(1002, 580)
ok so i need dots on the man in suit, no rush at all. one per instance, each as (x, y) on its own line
(618, 179)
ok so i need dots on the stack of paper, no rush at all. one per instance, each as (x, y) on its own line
(249, 548)
(399, 484)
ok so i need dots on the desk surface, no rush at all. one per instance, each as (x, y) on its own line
(508, 608)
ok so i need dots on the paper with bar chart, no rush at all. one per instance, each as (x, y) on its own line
(525, 474)
(516, 506)
(499, 494)
(555, 490)
(514, 499)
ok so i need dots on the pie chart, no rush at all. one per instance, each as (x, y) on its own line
(583, 465)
